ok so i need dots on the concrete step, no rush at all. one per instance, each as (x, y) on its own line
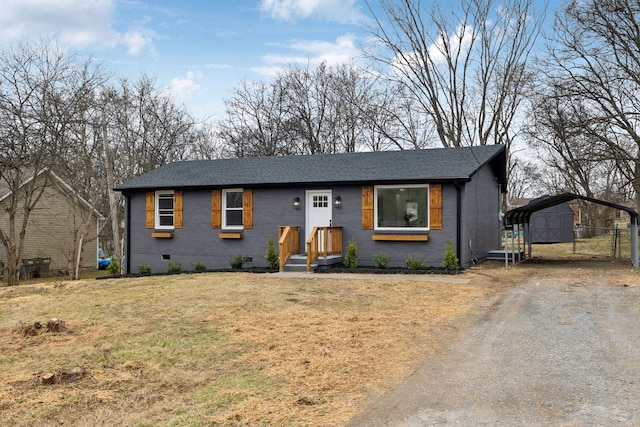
(500, 255)
(299, 267)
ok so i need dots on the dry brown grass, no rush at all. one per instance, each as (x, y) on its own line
(219, 349)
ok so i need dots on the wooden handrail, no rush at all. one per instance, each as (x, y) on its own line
(288, 243)
(323, 241)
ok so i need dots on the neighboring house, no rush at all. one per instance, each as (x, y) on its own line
(399, 203)
(52, 230)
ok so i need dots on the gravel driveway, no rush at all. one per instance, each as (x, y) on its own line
(556, 354)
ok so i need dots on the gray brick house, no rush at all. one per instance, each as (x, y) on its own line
(399, 203)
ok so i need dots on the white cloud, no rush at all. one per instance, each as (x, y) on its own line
(182, 87)
(456, 44)
(313, 52)
(80, 23)
(343, 11)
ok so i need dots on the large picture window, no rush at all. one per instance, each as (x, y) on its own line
(232, 202)
(401, 207)
(164, 217)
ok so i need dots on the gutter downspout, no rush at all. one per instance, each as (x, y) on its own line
(634, 242)
(459, 222)
(127, 233)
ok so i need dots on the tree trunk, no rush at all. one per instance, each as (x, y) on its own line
(113, 200)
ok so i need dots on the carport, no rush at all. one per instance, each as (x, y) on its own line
(521, 217)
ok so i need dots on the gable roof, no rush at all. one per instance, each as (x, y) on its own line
(436, 164)
(5, 191)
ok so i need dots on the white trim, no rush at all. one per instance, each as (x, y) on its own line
(157, 210)
(224, 209)
(375, 208)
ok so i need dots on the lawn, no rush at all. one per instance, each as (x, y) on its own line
(218, 348)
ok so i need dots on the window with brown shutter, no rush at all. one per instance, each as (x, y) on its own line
(410, 207)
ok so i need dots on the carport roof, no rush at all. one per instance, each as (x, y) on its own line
(523, 213)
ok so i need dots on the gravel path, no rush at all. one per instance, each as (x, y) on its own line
(544, 355)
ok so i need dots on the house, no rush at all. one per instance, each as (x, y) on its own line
(54, 227)
(398, 203)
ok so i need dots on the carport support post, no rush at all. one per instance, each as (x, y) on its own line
(634, 242)
(506, 248)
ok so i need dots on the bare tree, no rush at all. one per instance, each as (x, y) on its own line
(594, 56)
(320, 109)
(257, 121)
(391, 119)
(465, 66)
(140, 128)
(526, 179)
(42, 88)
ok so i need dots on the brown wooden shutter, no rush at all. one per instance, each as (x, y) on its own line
(247, 208)
(177, 209)
(150, 209)
(216, 209)
(367, 208)
(435, 206)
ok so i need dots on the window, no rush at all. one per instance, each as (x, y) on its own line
(320, 201)
(232, 202)
(401, 207)
(164, 210)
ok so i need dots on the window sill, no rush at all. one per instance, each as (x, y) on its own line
(230, 235)
(162, 235)
(401, 237)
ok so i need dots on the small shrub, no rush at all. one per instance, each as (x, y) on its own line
(199, 266)
(236, 262)
(351, 257)
(144, 269)
(272, 256)
(381, 260)
(450, 261)
(174, 267)
(114, 268)
(417, 263)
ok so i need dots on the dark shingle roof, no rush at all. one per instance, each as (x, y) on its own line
(438, 164)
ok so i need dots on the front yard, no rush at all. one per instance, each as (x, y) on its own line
(218, 348)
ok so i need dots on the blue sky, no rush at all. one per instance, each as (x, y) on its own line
(198, 49)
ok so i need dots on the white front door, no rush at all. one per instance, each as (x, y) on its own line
(318, 209)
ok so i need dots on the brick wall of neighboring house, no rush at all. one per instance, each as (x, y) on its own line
(50, 230)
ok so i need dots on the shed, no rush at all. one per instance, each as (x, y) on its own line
(553, 224)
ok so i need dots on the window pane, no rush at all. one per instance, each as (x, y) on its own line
(234, 199)
(165, 202)
(402, 207)
(234, 217)
(166, 220)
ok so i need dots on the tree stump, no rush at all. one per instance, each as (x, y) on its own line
(55, 325)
